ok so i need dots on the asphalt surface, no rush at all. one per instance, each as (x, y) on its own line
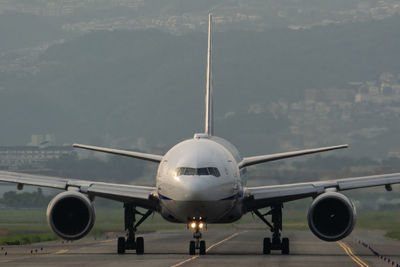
(224, 248)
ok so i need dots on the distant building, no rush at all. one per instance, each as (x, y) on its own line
(395, 153)
(17, 157)
(42, 140)
(358, 98)
(329, 95)
(396, 89)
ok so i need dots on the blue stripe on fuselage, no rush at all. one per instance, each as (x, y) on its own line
(164, 197)
(227, 198)
(238, 195)
(230, 198)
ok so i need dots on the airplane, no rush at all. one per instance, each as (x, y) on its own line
(202, 181)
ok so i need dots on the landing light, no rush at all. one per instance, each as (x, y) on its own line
(201, 225)
(193, 225)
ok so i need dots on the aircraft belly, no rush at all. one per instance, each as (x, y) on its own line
(222, 211)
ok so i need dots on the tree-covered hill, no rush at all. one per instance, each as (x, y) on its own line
(111, 87)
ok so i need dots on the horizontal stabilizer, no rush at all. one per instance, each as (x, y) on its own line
(138, 155)
(265, 158)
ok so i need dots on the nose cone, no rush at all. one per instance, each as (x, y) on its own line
(201, 188)
(198, 196)
(196, 188)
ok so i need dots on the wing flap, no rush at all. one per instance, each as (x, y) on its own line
(142, 196)
(264, 196)
(30, 179)
(368, 181)
(274, 192)
(121, 190)
(139, 195)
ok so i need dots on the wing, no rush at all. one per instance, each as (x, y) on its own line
(133, 154)
(264, 158)
(141, 196)
(264, 196)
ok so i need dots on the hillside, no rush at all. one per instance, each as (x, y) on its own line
(112, 87)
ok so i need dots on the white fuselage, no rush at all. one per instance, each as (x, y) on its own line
(199, 179)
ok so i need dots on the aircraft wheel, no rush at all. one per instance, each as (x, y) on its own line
(202, 247)
(192, 248)
(121, 245)
(285, 246)
(139, 245)
(267, 245)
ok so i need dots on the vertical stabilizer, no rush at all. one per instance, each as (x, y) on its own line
(209, 124)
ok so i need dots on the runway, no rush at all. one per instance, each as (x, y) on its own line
(224, 248)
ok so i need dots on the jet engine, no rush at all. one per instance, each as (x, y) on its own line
(331, 216)
(70, 215)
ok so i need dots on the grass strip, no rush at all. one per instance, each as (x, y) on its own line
(30, 226)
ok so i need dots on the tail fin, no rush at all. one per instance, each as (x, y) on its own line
(209, 124)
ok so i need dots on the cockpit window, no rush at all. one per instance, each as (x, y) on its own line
(190, 171)
(180, 171)
(185, 171)
(203, 171)
(198, 171)
(214, 171)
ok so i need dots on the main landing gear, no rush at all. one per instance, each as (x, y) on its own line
(130, 227)
(276, 227)
(197, 244)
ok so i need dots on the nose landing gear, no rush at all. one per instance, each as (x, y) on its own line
(197, 243)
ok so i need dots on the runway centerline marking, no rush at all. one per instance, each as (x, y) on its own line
(62, 251)
(222, 241)
(187, 260)
(212, 246)
(350, 253)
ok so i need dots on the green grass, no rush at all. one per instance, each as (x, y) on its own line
(394, 234)
(30, 226)
(26, 238)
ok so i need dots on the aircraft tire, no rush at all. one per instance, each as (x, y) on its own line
(267, 245)
(121, 245)
(202, 247)
(139, 245)
(192, 248)
(285, 246)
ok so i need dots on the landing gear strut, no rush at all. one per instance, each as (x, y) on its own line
(197, 244)
(276, 229)
(130, 227)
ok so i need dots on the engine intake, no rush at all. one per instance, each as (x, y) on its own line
(70, 215)
(331, 216)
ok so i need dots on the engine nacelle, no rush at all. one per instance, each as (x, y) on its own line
(331, 216)
(70, 215)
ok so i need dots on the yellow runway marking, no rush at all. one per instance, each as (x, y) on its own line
(61, 251)
(350, 253)
(183, 262)
(212, 246)
(222, 241)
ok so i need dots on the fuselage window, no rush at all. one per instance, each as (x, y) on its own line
(199, 171)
